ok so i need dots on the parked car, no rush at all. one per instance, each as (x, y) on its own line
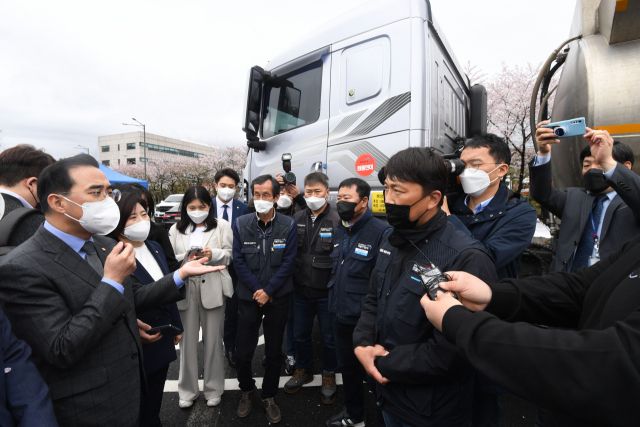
(171, 216)
(168, 203)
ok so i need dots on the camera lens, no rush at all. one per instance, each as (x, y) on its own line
(290, 178)
(559, 131)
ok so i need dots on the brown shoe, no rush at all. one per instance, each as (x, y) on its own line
(328, 389)
(244, 407)
(298, 379)
(272, 410)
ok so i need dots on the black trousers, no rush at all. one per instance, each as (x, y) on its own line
(250, 316)
(351, 369)
(231, 321)
(151, 402)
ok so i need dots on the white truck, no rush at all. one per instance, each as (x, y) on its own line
(347, 96)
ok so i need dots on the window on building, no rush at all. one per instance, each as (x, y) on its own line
(118, 147)
(105, 148)
(131, 161)
(169, 150)
(118, 161)
(143, 160)
(106, 162)
(131, 146)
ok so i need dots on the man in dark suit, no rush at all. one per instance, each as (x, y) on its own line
(19, 170)
(598, 219)
(227, 207)
(24, 396)
(69, 294)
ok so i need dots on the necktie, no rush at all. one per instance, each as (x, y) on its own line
(224, 214)
(92, 258)
(587, 241)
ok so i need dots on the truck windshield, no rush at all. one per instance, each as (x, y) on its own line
(292, 100)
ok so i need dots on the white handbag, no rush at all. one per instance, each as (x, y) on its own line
(227, 283)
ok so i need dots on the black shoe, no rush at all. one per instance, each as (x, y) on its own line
(264, 360)
(289, 365)
(343, 419)
(328, 389)
(299, 378)
(244, 406)
(231, 357)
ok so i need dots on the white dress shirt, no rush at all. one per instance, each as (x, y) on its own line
(148, 261)
(17, 196)
(220, 209)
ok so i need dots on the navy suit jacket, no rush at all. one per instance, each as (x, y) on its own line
(24, 396)
(238, 209)
(162, 352)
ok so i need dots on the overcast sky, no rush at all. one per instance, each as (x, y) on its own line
(75, 70)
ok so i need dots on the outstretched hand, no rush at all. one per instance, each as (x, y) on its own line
(197, 268)
(601, 148)
(435, 310)
(472, 292)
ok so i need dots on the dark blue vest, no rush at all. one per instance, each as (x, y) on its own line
(352, 269)
(258, 254)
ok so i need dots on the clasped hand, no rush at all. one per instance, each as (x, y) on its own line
(261, 297)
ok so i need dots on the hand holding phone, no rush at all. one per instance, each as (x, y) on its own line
(567, 128)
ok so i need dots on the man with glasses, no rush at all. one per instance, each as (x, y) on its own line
(264, 253)
(69, 293)
(502, 222)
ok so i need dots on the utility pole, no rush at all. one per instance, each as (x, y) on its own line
(144, 143)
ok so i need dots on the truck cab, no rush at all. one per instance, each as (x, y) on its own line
(347, 96)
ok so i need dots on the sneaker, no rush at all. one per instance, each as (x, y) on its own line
(184, 404)
(290, 365)
(328, 389)
(214, 402)
(299, 378)
(343, 419)
(272, 410)
(244, 407)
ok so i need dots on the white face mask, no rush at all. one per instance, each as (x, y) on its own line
(476, 181)
(198, 216)
(315, 203)
(262, 206)
(137, 232)
(284, 202)
(98, 217)
(226, 194)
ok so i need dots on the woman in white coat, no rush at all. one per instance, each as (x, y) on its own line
(203, 306)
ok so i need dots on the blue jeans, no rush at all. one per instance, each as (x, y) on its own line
(391, 420)
(291, 339)
(305, 309)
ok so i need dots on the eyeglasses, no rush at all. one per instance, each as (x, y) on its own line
(476, 165)
(99, 194)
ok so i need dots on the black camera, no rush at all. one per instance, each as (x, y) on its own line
(431, 277)
(455, 167)
(289, 177)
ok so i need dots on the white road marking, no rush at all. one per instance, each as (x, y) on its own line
(231, 384)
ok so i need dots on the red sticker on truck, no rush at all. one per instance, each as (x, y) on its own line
(365, 165)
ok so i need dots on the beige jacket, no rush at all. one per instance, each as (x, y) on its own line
(211, 286)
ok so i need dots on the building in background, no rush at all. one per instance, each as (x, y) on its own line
(128, 148)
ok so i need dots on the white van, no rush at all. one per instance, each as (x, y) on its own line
(347, 96)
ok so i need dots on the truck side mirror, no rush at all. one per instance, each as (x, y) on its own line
(477, 111)
(253, 102)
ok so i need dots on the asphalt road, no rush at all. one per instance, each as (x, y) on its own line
(300, 409)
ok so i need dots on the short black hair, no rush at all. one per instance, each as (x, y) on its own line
(22, 162)
(420, 165)
(134, 187)
(498, 147)
(316, 178)
(275, 186)
(127, 204)
(229, 173)
(382, 175)
(362, 188)
(621, 153)
(56, 178)
(197, 192)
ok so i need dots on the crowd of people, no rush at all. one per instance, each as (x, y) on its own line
(96, 296)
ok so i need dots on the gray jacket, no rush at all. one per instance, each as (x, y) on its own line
(82, 331)
(621, 219)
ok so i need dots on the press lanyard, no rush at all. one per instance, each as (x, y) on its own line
(595, 235)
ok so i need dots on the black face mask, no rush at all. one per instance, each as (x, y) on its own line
(594, 181)
(398, 215)
(346, 210)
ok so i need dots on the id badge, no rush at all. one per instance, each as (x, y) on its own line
(593, 260)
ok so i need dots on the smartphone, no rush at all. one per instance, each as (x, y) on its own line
(567, 128)
(165, 330)
(194, 253)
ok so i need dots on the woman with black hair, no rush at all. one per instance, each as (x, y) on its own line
(158, 350)
(157, 232)
(204, 304)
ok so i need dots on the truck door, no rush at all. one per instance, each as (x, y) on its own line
(295, 117)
